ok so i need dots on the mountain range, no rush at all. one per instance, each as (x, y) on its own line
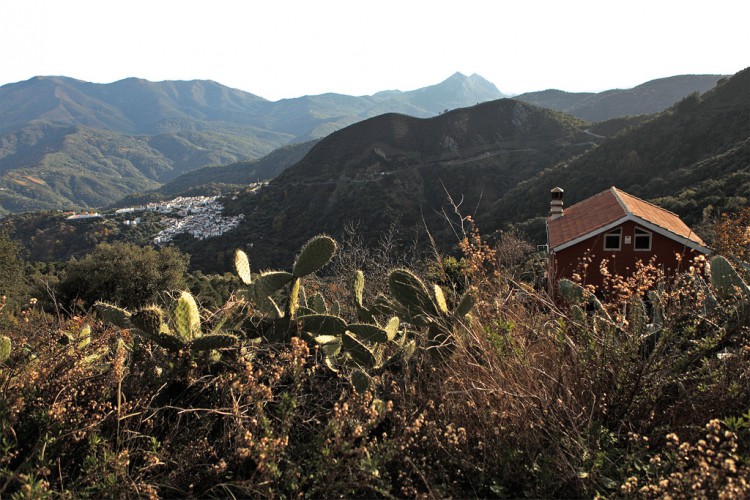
(65, 143)
(645, 99)
(497, 161)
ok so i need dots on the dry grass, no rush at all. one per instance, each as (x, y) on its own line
(526, 400)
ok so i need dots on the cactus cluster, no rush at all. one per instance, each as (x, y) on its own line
(178, 331)
(411, 299)
(280, 309)
(275, 295)
(586, 307)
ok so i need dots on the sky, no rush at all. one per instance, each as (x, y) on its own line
(287, 48)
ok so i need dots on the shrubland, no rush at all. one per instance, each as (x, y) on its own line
(446, 377)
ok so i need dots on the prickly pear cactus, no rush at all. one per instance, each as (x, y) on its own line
(368, 333)
(242, 265)
(359, 353)
(318, 304)
(571, 292)
(269, 283)
(410, 292)
(322, 324)
(361, 381)
(440, 301)
(113, 314)
(208, 342)
(187, 318)
(359, 288)
(726, 280)
(149, 320)
(315, 254)
(465, 305)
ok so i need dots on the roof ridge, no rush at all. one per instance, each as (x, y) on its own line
(617, 191)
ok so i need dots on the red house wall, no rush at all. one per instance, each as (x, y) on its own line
(622, 262)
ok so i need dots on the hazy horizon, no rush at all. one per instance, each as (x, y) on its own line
(287, 49)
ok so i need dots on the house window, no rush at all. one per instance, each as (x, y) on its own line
(642, 240)
(612, 239)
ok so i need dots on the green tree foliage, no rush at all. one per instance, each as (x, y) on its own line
(11, 265)
(124, 274)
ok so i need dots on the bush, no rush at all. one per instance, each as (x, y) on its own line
(524, 398)
(124, 274)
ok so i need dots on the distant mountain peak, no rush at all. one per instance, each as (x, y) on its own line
(464, 86)
(457, 76)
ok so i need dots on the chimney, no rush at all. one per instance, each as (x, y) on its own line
(556, 203)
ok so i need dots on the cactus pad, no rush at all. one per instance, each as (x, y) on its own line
(168, 342)
(315, 254)
(329, 344)
(187, 318)
(322, 324)
(410, 292)
(270, 282)
(318, 304)
(368, 333)
(361, 381)
(465, 305)
(725, 279)
(359, 287)
(113, 314)
(148, 320)
(358, 351)
(208, 342)
(570, 291)
(391, 329)
(440, 302)
(242, 265)
(5, 346)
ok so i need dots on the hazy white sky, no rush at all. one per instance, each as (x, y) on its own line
(288, 48)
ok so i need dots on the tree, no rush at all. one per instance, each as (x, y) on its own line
(124, 274)
(11, 266)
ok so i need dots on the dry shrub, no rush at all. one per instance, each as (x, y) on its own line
(545, 402)
(705, 468)
(526, 399)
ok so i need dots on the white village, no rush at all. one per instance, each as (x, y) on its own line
(199, 216)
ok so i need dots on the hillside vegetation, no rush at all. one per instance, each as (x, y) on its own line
(689, 157)
(46, 166)
(395, 168)
(64, 142)
(241, 173)
(319, 380)
(156, 131)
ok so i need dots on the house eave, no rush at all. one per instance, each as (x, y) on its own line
(638, 220)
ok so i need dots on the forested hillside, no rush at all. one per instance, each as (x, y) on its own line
(690, 157)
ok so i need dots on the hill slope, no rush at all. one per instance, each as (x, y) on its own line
(645, 99)
(399, 168)
(53, 166)
(501, 158)
(175, 127)
(692, 155)
(232, 177)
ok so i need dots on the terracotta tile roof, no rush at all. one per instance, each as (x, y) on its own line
(607, 207)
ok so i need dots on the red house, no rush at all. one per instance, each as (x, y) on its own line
(619, 227)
